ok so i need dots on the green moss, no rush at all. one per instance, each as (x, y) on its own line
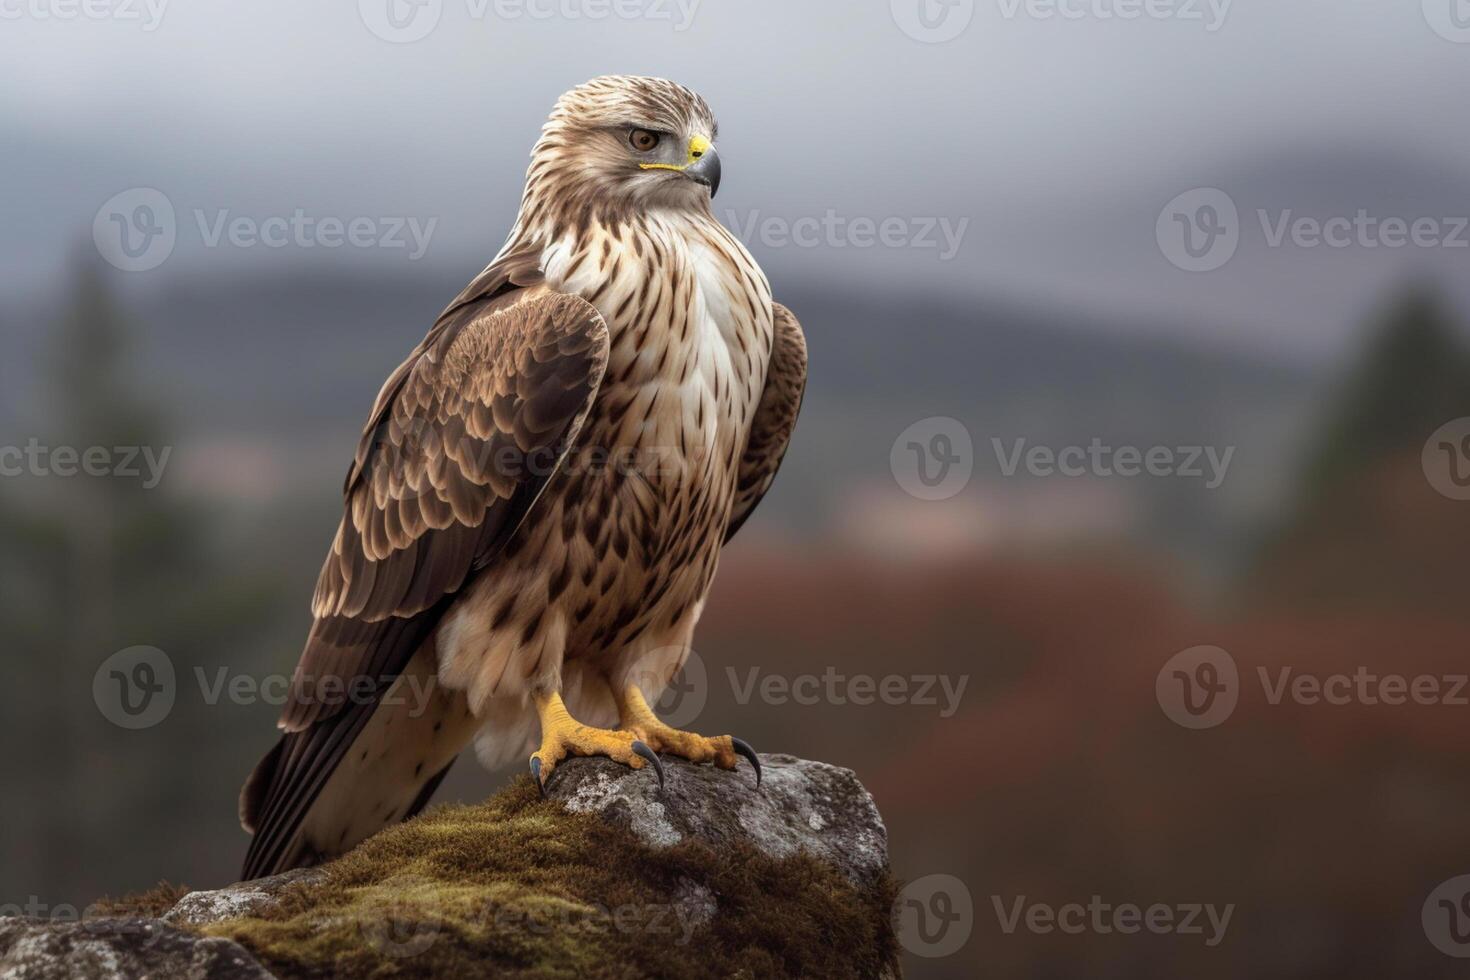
(518, 887)
(144, 905)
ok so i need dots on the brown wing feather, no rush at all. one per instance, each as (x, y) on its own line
(775, 418)
(462, 441)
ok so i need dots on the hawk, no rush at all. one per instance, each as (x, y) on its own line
(540, 496)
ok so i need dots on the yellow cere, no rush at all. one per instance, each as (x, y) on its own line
(698, 145)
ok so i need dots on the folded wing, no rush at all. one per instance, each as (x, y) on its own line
(464, 438)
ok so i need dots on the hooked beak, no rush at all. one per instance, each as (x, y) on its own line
(704, 165)
(701, 165)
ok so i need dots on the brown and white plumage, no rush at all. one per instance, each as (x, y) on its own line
(540, 496)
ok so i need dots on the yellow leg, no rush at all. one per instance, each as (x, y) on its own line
(724, 751)
(562, 735)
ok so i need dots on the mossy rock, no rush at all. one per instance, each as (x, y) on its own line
(521, 886)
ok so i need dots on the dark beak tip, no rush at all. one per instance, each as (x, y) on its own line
(706, 171)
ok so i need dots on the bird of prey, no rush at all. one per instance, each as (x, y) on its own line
(539, 499)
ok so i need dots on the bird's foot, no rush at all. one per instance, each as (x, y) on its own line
(724, 751)
(563, 736)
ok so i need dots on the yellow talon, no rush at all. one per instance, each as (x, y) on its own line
(723, 750)
(562, 735)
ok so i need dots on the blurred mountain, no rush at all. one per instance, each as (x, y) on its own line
(1098, 252)
(278, 372)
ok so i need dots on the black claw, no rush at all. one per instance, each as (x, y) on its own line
(536, 775)
(641, 749)
(743, 748)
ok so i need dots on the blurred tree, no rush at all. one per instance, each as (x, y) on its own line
(1365, 525)
(1413, 377)
(93, 565)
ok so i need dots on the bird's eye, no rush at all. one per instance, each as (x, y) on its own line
(643, 140)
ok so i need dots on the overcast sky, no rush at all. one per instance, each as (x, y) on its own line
(1038, 145)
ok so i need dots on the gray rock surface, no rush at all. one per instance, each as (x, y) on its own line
(117, 949)
(800, 806)
(245, 898)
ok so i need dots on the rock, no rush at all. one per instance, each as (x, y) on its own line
(606, 877)
(118, 949)
(236, 901)
(801, 806)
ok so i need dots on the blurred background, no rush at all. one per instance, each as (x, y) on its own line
(1133, 467)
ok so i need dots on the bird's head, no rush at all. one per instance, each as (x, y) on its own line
(624, 143)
